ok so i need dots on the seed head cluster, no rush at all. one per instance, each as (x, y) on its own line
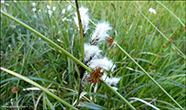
(93, 57)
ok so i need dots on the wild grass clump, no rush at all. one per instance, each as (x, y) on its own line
(121, 55)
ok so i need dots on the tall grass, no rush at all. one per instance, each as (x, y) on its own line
(24, 52)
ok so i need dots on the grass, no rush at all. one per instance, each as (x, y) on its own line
(25, 53)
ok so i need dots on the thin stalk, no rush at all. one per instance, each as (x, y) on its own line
(79, 90)
(75, 7)
(17, 100)
(44, 102)
(39, 86)
(184, 56)
(79, 86)
(81, 31)
(71, 4)
(65, 52)
(34, 102)
(119, 95)
(171, 13)
(147, 74)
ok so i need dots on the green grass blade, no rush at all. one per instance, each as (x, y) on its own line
(119, 95)
(93, 106)
(39, 86)
(171, 13)
(143, 101)
(49, 104)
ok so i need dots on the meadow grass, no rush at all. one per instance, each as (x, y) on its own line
(25, 53)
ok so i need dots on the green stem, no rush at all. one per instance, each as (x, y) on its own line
(17, 100)
(81, 31)
(44, 102)
(79, 90)
(37, 85)
(119, 95)
(75, 7)
(171, 13)
(184, 56)
(71, 4)
(146, 73)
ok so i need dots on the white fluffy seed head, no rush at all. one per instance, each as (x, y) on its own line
(69, 7)
(31, 88)
(63, 11)
(33, 4)
(100, 33)
(110, 81)
(34, 9)
(152, 10)
(50, 12)
(115, 88)
(84, 18)
(54, 8)
(2, 1)
(91, 52)
(103, 63)
(48, 6)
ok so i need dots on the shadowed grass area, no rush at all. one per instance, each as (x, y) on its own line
(25, 53)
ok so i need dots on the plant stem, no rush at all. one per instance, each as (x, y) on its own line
(44, 101)
(119, 95)
(171, 13)
(75, 7)
(17, 100)
(146, 73)
(81, 31)
(79, 90)
(37, 85)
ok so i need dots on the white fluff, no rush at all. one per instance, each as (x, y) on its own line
(48, 6)
(91, 51)
(50, 12)
(110, 81)
(152, 10)
(31, 88)
(69, 7)
(33, 4)
(103, 63)
(113, 80)
(115, 88)
(34, 9)
(63, 11)
(100, 33)
(2, 1)
(54, 8)
(84, 18)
